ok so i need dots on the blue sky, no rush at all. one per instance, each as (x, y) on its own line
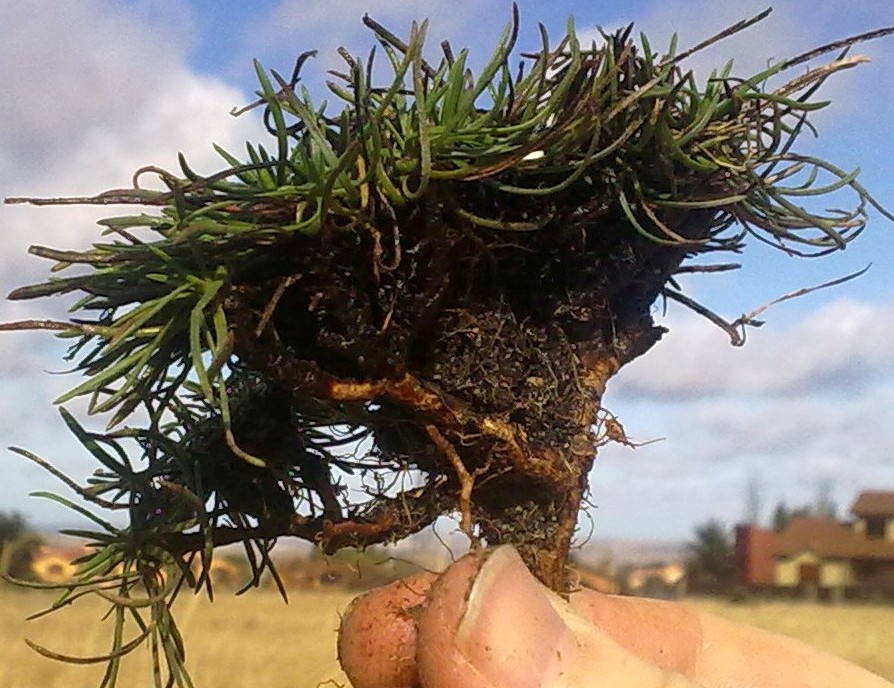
(94, 89)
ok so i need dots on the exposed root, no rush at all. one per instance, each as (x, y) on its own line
(466, 483)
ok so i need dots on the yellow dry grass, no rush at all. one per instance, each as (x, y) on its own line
(256, 640)
(251, 640)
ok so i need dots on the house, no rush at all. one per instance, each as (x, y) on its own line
(600, 581)
(818, 554)
(664, 581)
(875, 515)
(633, 567)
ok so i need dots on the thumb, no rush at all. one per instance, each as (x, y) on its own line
(490, 624)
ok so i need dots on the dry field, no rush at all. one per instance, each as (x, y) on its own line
(256, 640)
(251, 640)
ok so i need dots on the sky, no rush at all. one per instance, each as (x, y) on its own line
(93, 89)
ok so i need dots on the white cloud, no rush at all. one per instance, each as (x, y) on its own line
(798, 405)
(115, 97)
(843, 347)
(714, 447)
(696, 20)
(92, 91)
(72, 68)
(793, 27)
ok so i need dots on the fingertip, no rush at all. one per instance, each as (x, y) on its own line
(488, 623)
(377, 636)
(441, 663)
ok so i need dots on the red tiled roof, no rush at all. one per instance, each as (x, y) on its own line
(826, 537)
(874, 503)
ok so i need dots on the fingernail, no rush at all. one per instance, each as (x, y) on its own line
(510, 631)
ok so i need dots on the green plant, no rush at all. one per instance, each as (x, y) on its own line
(711, 557)
(17, 545)
(411, 306)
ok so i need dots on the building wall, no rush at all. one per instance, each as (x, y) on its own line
(860, 528)
(788, 569)
(753, 555)
(836, 574)
(832, 573)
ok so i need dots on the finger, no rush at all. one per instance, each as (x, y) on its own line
(713, 651)
(378, 632)
(759, 658)
(667, 634)
(490, 624)
(377, 638)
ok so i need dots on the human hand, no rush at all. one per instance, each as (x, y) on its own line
(486, 622)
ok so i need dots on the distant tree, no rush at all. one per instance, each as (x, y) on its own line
(781, 516)
(12, 526)
(824, 504)
(16, 547)
(753, 500)
(711, 557)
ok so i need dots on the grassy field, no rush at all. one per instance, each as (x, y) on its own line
(256, 640)
(251, 640)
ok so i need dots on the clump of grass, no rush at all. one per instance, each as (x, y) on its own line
(411, 305)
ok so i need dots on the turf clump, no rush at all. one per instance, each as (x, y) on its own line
(412, 306)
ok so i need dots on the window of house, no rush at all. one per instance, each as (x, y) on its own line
(875, 527)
